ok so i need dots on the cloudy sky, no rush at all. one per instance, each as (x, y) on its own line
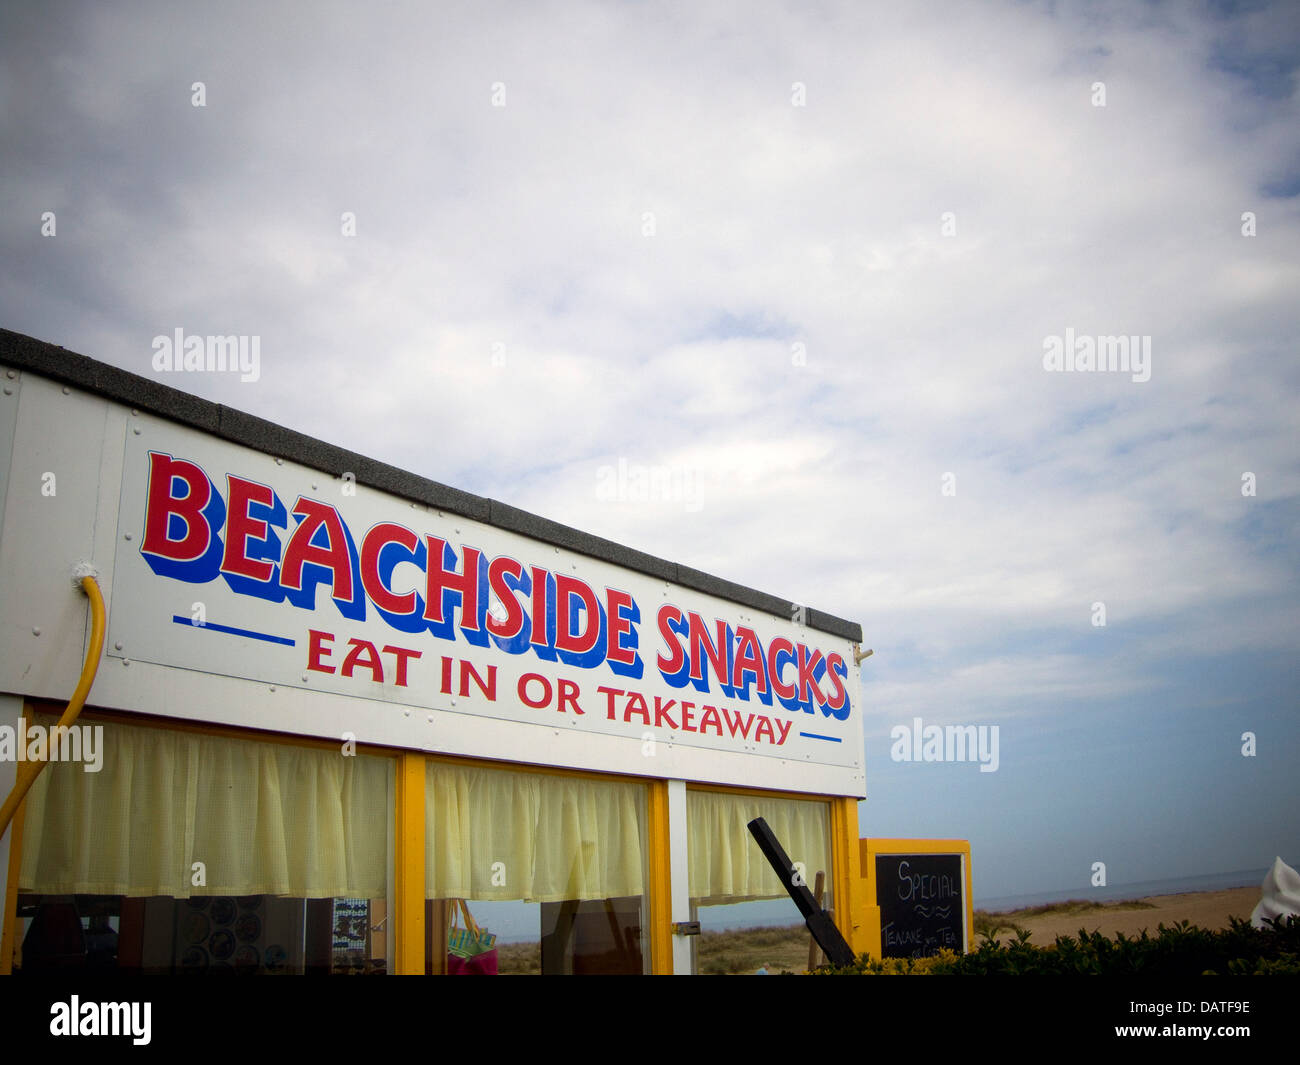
(807, 260)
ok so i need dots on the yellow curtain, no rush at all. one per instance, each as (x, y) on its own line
(497, 835)
(726, 864)
(263, 818)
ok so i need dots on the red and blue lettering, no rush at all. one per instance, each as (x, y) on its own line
(320, 550)
(193, 534)
(250, 563)
(621, 639)
(717, 651)
(837, 706)
(446, 589)
(183, 511)
(779, 652)
(673, 629)
(506, 581)
(748, 664)
(811, 668)
(579, 623)
(542, 636)
(385, 545)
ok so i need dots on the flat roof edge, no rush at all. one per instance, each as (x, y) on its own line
(49, 360)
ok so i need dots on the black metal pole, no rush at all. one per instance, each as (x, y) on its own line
(817, 920)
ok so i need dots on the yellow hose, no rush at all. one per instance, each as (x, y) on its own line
(29, 771)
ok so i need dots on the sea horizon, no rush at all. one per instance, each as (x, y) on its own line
(514, 926)
(1134, 890)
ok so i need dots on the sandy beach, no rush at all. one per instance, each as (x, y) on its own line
(1205, 909)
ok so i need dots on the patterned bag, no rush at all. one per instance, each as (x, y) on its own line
(470, 950)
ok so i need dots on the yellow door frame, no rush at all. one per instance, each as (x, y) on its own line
(850, 889)
(409, 866)
(660, 902)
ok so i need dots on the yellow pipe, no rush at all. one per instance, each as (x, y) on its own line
(29, 771)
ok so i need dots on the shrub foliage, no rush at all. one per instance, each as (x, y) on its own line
(1178, 950)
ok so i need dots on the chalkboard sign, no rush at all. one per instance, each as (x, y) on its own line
(921, 905)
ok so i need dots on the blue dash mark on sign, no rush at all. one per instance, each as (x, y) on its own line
(181, 620)
(814, 736)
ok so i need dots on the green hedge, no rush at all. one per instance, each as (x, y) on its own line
(1179, 950)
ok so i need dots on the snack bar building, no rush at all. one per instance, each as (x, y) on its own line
(336, 700)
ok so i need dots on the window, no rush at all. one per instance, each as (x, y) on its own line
(189, 852)
(568, 853)
(733, 886)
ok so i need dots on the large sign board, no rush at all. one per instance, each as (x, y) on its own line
(231, 562)
(921, 895)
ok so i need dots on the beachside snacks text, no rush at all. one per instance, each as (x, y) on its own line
(263, 547)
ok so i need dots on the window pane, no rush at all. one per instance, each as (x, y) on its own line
(189, 852)
(236, 935)
(734, 888)
(564, 855)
